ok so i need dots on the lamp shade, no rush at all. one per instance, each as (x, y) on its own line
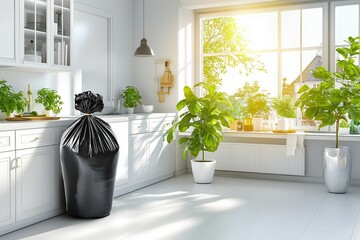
(144, 50)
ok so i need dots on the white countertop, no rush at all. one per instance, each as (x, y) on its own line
(67, 120)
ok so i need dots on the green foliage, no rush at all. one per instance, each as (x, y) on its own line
(49, 99)
(131, 96)
(204, 117)
(330, 104)
(344, 123)
(11, 101)
(256, 101)
(222, 35)
(238, 107)
(284, 106)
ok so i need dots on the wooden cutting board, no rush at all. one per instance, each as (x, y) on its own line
(30, 118)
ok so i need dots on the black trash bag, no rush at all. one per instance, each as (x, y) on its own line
(88, 155)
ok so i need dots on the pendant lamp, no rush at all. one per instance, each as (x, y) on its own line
(144, 50)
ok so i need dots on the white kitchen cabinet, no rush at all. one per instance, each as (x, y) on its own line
(37, 181)
(30, 180)
(151, 158)
(36, 34)
(162, 155)
(121, 131)
(8, 33)
(7, 188)
(139, 155)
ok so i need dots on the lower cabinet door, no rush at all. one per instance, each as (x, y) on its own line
(7, 188)
(139, 157)
(37, 181)
(162, 155)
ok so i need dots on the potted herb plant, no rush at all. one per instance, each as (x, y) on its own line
(10, 101)
(344, 127)
(257, 106)
(237, 112)
(336, 97)
(286, 110)
(131, 97)
(51, 101)
(203, 117)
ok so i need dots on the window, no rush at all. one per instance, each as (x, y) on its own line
(276, 47)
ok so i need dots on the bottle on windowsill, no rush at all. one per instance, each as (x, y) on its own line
(30, 100)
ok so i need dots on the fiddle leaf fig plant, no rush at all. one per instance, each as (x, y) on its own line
(49, 99)
(131, 97)
(11, 101)
(337, 97)
(204, 117)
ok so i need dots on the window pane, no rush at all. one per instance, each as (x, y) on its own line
(312, 27)
(290, 68)
(290, 29)
(310, 60)
(260, 29)
(233, 80)
(346, 23)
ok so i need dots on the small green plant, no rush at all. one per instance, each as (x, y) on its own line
(255, 100)
(11, 101)
(284, 106)
(329, 103)
(238, 108)
(49, 99)
(131, 96)
(344, 123)
(204, 116)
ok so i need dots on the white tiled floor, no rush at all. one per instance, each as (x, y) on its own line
(227, 209)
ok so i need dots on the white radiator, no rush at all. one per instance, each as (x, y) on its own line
(258, 158)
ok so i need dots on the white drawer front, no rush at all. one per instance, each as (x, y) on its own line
(36, 137)
(160, 124)
(138, 126)
(7, 141)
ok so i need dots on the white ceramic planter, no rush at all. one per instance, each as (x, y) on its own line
(130, 110)
(258, 124)
(292, 123)
(49, 113)
(203, 172)
(343, 131)
(2, 116)
(337, 169)
(283, 124)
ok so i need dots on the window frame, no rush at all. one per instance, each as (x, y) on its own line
(328, 48)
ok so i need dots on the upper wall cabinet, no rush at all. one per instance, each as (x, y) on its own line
(8, 33)
(41, 34)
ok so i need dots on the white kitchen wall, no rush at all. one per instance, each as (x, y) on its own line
(161, 31)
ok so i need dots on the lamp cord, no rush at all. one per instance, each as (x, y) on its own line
(143, 19)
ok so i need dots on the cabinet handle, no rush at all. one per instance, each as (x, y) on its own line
(35, 139)
(17, 164)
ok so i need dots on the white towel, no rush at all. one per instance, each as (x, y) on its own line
(294, 142)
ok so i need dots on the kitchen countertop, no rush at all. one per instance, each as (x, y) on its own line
(67, 120)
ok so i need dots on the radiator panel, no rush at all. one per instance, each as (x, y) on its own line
(258, 158)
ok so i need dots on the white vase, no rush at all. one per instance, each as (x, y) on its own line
(2, 116)
(258, 124)
(203, 172)
(283, 124)
(292, 123)
(49, 113)
(337, 169)
(343, 131)
(130, 110)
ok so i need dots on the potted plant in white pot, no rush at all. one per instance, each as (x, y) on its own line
(203, 117)
(329, 103)
(131, 97)
(257, 106)
(286, 110)
(51, 101)
(10, 101)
